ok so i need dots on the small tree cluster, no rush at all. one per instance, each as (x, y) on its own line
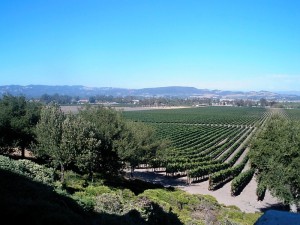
(139, 145)
(96, 139)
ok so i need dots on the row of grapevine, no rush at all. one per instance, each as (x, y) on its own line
(182, 168)
(209, 135)
(174, 168)
(205, 142)
(239, 183)
(236, 143)
(202, 172)
(211, 144)
(208, 146)
(293, 114)
(219, 178)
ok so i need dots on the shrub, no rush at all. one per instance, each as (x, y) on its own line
(109, 203)
(27, 168)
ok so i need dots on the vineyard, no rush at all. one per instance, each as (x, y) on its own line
(207, 143)
(293, 114)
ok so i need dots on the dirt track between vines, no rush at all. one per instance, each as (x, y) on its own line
(246, 201)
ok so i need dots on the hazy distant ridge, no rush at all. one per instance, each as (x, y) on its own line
(172, 91)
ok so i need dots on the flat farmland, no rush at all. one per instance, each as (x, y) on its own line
(293, 114)
(205, 143)
(208, 148)
(201, 115)
(76, 108)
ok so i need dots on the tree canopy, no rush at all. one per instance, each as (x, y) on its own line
(97, 139)
(139, 144)
(276, 156)
(18, 118)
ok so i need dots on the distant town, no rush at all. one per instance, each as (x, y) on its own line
(151, 97)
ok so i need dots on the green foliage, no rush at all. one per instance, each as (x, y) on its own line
(121, 141)
(95, 140)
(112, 203)
(95, 191)
(201, 140)
(189, 208)
(236, 217)
(50, 143)
(223, 176)
(293, 114)
(240, 182)
(139, 144)
(74, 181)
(86, 143)
(59, 99)
(206, 170)
(17, 120)
(276, 157)
(35, 171)
(206, 115)
(87, 203)
(109, 205)
(109, 126)
(27, 168)
(261, 191)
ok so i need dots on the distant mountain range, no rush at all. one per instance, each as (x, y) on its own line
(35, 91)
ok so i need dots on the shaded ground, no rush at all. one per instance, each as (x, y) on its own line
(24, 201)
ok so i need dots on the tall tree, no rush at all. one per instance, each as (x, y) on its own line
(18, 118)
(88, 146)
(139, 145)
(49, 132)
(110, 127)
(276, 156)
(68, 139)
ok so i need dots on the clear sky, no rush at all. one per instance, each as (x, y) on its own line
(225, 44)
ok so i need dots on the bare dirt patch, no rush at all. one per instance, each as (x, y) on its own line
(18, 153)
(76, 108)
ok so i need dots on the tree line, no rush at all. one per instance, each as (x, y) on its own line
(154, 101)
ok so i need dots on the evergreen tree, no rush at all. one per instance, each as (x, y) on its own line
(18, 118)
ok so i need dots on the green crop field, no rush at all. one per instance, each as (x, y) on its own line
(204, 142)
(205, 115)
(293, 114)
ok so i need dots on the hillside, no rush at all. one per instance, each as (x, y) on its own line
(172, 91)
(28, 200)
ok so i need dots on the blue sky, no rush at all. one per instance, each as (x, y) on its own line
(229, 45)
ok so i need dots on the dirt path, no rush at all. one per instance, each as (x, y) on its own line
(246, 201)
